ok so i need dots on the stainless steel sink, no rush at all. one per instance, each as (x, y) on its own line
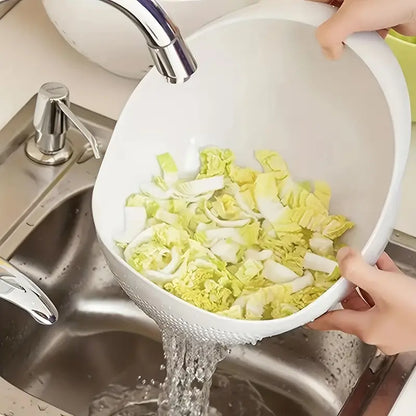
(6, 6)
(102, 338)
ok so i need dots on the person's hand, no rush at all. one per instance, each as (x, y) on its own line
(384, 314)
(365, 15)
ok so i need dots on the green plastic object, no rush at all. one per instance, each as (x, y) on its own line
(404, 48)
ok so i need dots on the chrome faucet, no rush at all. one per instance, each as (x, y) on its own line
(16, 288)
(169, 51)
(170, 54)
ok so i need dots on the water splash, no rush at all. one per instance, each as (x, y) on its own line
(230, 396)
(190, 387)
(190, 365)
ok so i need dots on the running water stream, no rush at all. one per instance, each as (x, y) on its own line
(190, 367)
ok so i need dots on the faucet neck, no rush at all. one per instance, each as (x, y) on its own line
(150, 18)
(170, 54)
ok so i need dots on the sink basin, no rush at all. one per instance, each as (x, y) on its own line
(102, 338)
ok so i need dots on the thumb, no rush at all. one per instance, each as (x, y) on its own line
(354, 268)
(334, 31)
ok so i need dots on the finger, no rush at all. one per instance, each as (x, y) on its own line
(387, 264)
(408, 29)
(356, 270)
(358, 16)
(348, 321)
(334, 31)
(355, 302)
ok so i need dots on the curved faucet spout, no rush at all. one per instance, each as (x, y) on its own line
(169, 51)
(17, 288)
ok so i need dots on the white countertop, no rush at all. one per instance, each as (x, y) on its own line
(32, 52)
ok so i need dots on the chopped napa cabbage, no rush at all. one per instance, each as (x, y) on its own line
(248, 270)
(268, 230)
(255, 304)
(224, 223)
(272, 162)
(323, 193)
(299, 300)
(300, 283)
(295, 195)
(321, 245)
(250, 233)
(192, 217)
(307, 218)
(267, 199)
(226, 250)
(246, 235)
(170, 236)
(174, 269)
(232, 240)
(335, 226)
(253, 254)
(174, 262)
(150, 256)
(177, 206)
(226, 207)
(235, 312)
(247, 196)
(277, 273)
(155, 191)
(244, 198)
(276, 300)
(318, 263)
(166, 216)
(208, 288)
(212, 235)
(161, 183)
(306, 185)
(144, 237)
(139, 200)
(200, 186)
(325, 280)
(242, 176)
(284, 222)
(169, 169)
(215, 161)
(294, 259)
